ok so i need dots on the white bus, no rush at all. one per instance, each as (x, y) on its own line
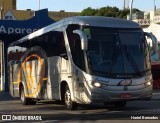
(82, 60)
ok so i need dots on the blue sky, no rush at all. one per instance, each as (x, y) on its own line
(79, 5)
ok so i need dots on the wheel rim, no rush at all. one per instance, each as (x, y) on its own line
(67, 98)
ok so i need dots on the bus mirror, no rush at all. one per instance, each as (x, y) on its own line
(83, 37)
(154, 41)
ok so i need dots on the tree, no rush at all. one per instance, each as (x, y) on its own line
(108, 12)
(123, 13)
(88, 12)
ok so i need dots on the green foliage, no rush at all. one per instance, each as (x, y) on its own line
(108, 12)
(88, 12)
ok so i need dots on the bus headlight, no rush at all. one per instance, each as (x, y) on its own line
(96, 84)
(148, 83)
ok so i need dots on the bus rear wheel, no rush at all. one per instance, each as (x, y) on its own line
(24, 100)
(70, 105)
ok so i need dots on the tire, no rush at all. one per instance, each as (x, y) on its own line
(70, 105)
(24, 100)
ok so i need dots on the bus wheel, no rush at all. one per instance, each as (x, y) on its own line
(24, 100)
(70, 105)
(120, 104)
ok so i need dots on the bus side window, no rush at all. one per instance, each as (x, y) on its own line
(77, 53)
(54, 45)
(62, 50)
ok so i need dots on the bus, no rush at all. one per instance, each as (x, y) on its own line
(82, 60)
(155, 56)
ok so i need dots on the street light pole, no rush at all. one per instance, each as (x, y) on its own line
(39, 4)
(131, 6)
(154, 8)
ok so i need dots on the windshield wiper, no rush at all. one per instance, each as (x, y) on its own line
(132, 61)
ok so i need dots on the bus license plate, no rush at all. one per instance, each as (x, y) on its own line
(125, 96)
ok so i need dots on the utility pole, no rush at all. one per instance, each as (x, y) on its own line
(154, 8)
(39, 4)
(131, 6)
(125, 4)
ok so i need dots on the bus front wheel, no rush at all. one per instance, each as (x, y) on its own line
(70, 105)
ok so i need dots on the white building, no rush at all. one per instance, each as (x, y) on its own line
(151, 22)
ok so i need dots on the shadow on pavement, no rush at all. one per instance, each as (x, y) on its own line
(5, 96)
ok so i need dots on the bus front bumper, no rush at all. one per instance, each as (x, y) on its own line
(101, 95)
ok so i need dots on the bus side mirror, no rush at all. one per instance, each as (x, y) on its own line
(83, 37)
(154, 41)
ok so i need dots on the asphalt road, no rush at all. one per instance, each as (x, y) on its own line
(50, 110)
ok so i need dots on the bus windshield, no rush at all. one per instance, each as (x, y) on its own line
(119, 53)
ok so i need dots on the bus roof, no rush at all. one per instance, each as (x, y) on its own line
(102, 21)
(98, 21)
